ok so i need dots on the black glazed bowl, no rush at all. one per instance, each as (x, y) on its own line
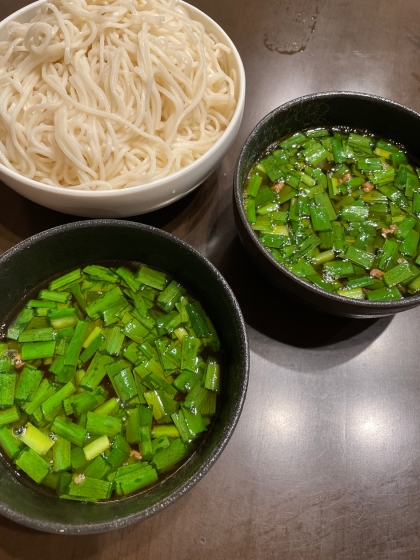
(381, 116)
(57, 250)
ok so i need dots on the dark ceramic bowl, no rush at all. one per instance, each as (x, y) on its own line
(52, 252)
(355, 110)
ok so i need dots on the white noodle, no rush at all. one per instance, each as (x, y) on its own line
(109, 94)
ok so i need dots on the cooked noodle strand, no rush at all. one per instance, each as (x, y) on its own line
(109, 94)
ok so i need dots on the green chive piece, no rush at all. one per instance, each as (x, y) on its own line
(394, 195)
(168, 430)
(95, 374)
(76, 343)
(194, 422)
(123, 383)
(97, 468)
(108, 408)
(168, 458)
(35, 350)
(51, 481)
(187, 380)
(90, 488)
(9, 415)
(195, 398)
(153, 278)
(69, 430)
(136, 331)
(153, 381)
(45, 390)
(294, 141)
(362, 258)
(212, 377)
(7, 389)
(162, 409)
(405, 227)
(135, 481)
(160, 443)
(59, 297)
(190, 346)
(37, 335)
(96, 447)
(65, 280)
(132, 428)
(52, 405)
(20, 323)
(9, 443)
(62, 455)
(339, 269)
(384, 294)
(99, 424)
(355, 213)
(33, 465)
(302, 269)
(145, 447)
(355, 293)
(208, 406)
(181, 425)
(320, 218)
(315, 154)
(398, 274)
(170, 295)
(93, 347)
(255, 182)
(104, 302)
(409, 245)
(85, 402)
(114, 341)
(360, 282)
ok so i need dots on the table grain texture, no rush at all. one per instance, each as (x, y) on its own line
(325, 461)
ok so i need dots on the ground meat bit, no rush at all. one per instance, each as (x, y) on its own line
(277, 186)
(367, 187)
(391, 229)
(17, 362)
(135, 454)
(345, 178)
(376, 273)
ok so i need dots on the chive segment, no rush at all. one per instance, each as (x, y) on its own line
(120, 375)
(348, 203)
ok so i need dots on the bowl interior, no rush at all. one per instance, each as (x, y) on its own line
(356, 111)
(145, 197)
(34, 261)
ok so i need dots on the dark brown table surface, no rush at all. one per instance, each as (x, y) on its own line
(325, 461)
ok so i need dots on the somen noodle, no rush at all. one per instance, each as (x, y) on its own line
(110, 94)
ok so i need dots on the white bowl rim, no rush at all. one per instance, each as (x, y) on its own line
(237, 116)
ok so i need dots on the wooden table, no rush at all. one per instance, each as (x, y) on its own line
(325, 461)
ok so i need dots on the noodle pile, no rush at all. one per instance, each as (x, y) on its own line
(109, 94)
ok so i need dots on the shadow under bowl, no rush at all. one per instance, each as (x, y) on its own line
(360, 111)
(31, 264)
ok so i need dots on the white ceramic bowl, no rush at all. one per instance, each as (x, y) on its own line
(144, 198)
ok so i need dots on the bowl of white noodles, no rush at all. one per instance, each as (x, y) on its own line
(113, 108)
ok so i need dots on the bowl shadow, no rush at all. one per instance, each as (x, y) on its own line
(281, 316)
(28, 218)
